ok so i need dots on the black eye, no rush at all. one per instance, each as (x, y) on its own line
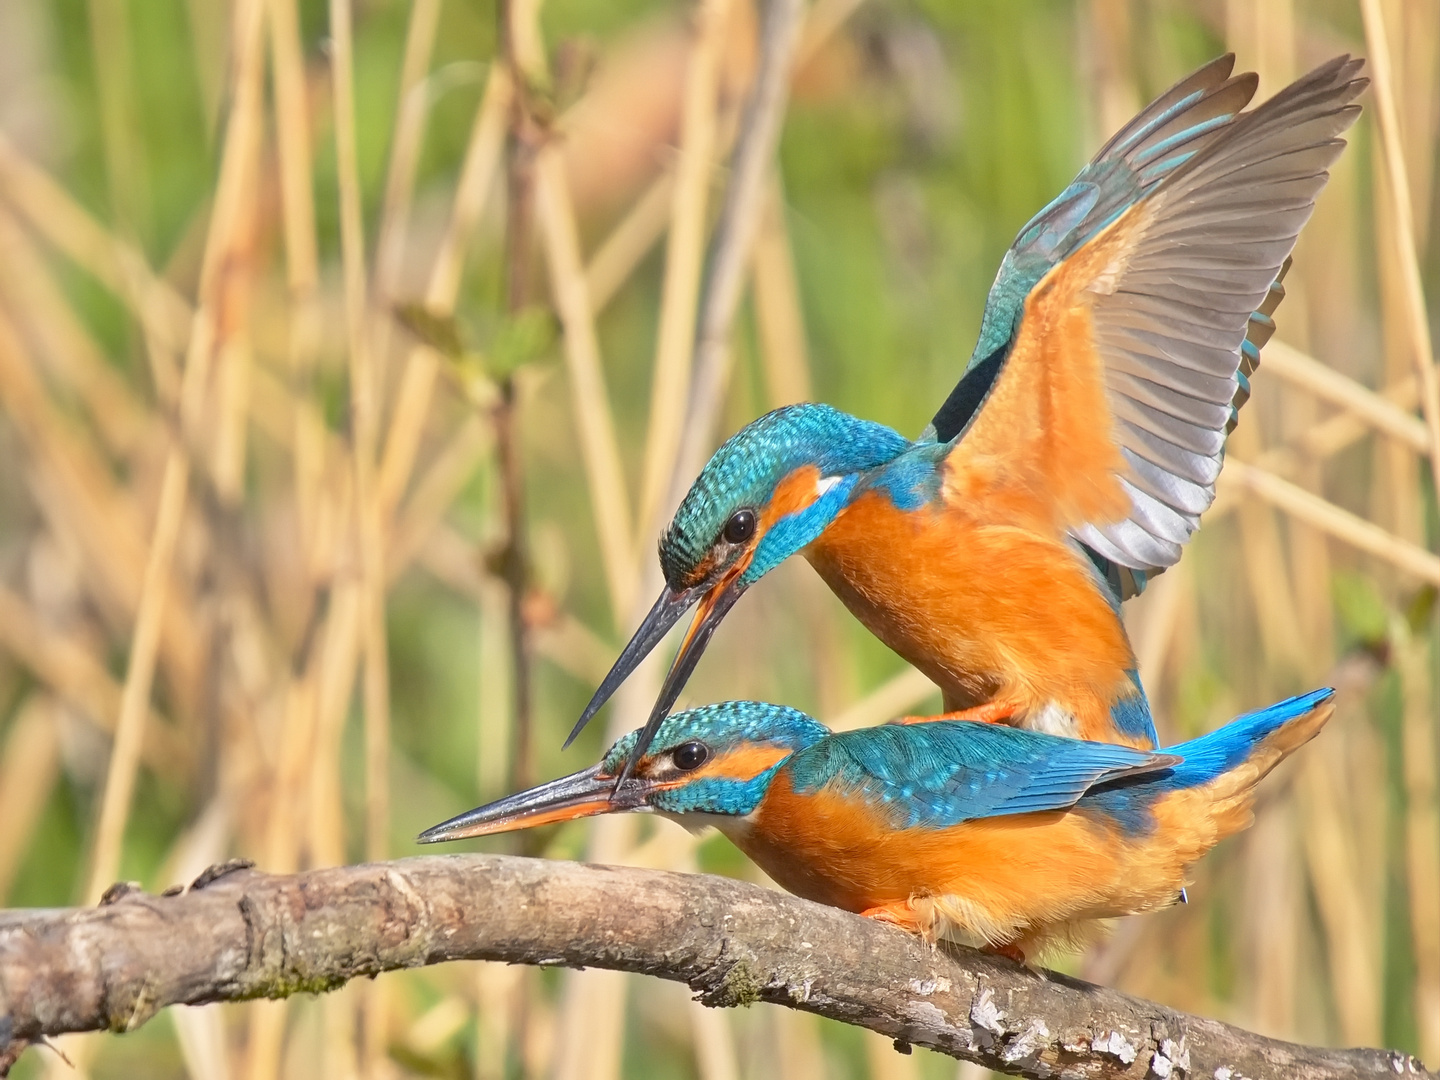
(690, 755)
(740, 527)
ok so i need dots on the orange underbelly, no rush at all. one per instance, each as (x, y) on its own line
(1000, 878)
(986, 611)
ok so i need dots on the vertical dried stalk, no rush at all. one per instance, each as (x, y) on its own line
(1417, 321)
(135, 703)
(242, 143)
(1422, 828)
(124, 159)
(684, 253)
(363, 405)
(885, 1062)
(29, 766)
(1114, 85)
(515, 569)
(406, 140)
(1330, 851)
(477, 176)
(297, 208)
(778, 311)
(897, 696)
(735, 236)
(617, 256)
(610, 503)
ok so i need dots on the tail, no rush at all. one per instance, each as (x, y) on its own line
(1231, 760)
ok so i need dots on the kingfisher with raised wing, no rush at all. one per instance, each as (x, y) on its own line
(991, 835)
(1076, 454)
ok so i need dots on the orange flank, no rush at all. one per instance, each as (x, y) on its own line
(1019, 882)
(992, 606)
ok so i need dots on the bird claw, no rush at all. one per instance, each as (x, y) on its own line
(1010, 950)
(992, 712)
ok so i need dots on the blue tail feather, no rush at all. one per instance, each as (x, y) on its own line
(1128, 801)
(1226, 747)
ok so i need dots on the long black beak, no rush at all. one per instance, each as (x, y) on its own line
(581, 794)
(665, 614)
(714, 606)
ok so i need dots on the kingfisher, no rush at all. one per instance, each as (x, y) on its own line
(1003, 837)
(1076, 454)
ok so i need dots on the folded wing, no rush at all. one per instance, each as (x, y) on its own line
(943, 773)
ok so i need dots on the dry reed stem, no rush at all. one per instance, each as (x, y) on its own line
(594, 419)
(730, 254)
(684, 255)
(437, 490)
(407, 136)
(1417, 321)
(822, 22)
(365, 416)
(78, 679)
(779, 315)
(297, 210)
(292, 138)
(893, 698)
(1165, 598)
(1327, 384)
(234, 189)
(53, 214)
(1329, 437)
(1334, 870)
(1322, 441)
(65, 346)
(566, 642)
(1422, 827)
(135, 699)
(75, 489)
(1271, 587)
(885, 1063)
(125, 169)
(29, 767)
(477, 177)
(630, 241)
(1329, 518)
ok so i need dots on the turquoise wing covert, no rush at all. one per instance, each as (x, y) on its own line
(942, 773)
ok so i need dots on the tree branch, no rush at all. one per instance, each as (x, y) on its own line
(237, 934)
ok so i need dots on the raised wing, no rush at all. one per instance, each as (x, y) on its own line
(943, 773)
(1110, 359)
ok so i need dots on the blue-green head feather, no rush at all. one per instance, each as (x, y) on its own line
(689, 741)
(744, 473)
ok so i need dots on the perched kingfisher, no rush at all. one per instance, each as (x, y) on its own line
(982, 833)
(1074, 457)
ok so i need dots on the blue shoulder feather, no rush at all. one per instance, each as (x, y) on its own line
(942, 773)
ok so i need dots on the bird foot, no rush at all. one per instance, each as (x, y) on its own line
(992, 712)
(901, 915)
(1010, 951)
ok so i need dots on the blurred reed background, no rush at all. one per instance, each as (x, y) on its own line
(344, 353)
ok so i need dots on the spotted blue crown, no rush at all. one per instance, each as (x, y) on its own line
(746, 469)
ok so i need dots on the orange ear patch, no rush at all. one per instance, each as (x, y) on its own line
(795, 492)
(742, 763)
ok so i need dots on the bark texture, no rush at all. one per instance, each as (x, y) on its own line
(237, 934)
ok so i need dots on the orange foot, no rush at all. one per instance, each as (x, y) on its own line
(992, 712)
(899, 914)
(1012, 951)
